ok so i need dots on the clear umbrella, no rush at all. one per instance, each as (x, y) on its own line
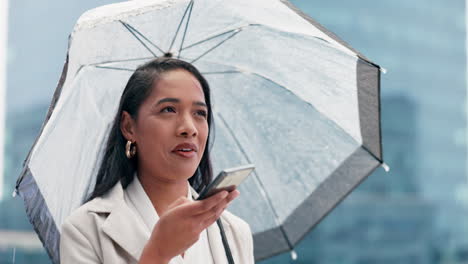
(288, 96)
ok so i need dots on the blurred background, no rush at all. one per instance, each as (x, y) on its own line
(417, 213)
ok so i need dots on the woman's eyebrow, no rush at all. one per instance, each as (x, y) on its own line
(170, 100)
(200, 103)
(175, 100)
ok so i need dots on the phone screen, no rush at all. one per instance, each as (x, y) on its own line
(227, 179)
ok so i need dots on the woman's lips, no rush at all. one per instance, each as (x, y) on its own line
(185, 154)
(186, 150)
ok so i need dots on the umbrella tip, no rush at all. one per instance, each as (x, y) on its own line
(293, 255)
(14, 193)
(385, 167)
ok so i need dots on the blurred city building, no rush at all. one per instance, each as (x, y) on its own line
(3, 62)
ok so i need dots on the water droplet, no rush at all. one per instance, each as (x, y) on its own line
(293, 254)
(14, 193)
(386, 167)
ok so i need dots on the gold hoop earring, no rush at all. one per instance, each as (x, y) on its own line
(130, 150)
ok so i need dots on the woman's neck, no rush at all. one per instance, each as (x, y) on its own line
(163, 192)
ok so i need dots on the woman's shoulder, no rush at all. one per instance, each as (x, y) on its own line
(82, 225)
(87, 218)
(96, 208)
(79, 236)
(85, 213)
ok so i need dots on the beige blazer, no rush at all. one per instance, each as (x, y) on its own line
(106, 230)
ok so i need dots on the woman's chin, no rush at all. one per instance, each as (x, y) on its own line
(185, 172)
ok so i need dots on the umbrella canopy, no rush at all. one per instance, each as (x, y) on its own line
(288, 96)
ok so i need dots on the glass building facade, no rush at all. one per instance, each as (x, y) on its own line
(416, 213)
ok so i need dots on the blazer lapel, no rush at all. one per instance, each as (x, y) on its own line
(216, 242)
(122, 225)
(128, 230)
(215, 239)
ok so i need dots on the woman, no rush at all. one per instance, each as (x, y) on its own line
(156, 159)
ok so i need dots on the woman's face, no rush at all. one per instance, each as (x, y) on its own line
(174, 113)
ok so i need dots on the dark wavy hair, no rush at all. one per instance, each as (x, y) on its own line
(115, 165)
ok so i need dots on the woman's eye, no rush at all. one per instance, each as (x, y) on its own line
(167, 108)
(202, 113)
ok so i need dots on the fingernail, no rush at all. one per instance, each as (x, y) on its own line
(225, 194)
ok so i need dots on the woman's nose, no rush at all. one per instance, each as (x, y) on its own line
(186, 127)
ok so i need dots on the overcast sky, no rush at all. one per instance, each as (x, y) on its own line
(37, 46)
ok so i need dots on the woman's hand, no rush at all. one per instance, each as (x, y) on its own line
(180, 226)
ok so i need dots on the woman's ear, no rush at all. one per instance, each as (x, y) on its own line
(127, 126)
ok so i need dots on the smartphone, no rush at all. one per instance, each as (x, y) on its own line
(227, 179)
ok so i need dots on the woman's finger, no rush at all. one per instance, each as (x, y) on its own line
(202, 206)
(216, 210)
(211, 219)
(210, 213)
(233, 195)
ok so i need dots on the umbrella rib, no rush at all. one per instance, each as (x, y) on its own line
(207, 39)
(114, 61)
(259, 182)
(372, 154)
(237, 70)
(132, 30)
(218, 35)
(220, 72)
(185, 31)
(180, 23)
(215, 46)
(114, 68)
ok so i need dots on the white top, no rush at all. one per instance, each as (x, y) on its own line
(139, 202)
